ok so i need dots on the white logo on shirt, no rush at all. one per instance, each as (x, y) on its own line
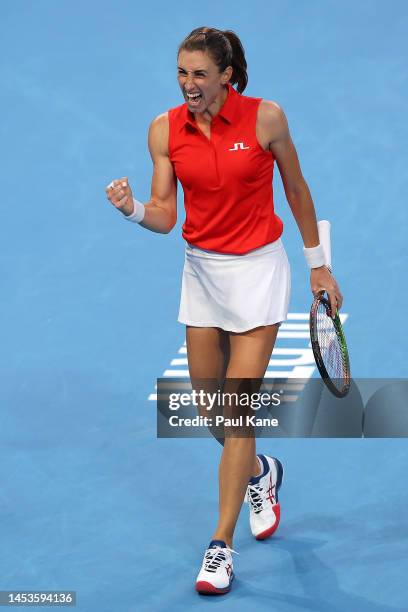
(237, 146)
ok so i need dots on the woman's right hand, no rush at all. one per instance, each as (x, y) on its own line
(120, 195)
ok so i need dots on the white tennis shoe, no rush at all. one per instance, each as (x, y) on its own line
(216, 573)
(262, 497)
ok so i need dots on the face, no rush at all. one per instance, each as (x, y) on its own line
(198, 74)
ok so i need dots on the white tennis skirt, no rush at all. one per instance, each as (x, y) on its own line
(235, 292)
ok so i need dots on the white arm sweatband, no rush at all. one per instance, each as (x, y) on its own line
(314, 256)
(138, 212)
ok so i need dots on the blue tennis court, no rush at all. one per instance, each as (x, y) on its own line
(90, 499)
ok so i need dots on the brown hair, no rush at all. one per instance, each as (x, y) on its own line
(225, 49)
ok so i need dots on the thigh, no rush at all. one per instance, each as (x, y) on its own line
(249, 358)
(207, 352)
(251, 351)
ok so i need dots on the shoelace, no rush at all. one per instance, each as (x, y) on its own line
(255, 497)
(214, 557)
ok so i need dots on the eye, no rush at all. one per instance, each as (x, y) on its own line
(197, 74)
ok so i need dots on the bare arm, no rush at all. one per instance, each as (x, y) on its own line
(161, 210)
(274, 124)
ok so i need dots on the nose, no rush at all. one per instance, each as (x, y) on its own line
(189, 84)
(187, 81)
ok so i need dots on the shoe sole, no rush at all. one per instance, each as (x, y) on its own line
(271, 530)
(206, 588)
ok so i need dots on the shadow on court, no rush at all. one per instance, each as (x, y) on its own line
(322, 589)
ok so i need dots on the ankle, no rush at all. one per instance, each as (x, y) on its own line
(224, 537)
(257, 468)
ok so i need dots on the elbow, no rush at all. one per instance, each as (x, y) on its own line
(299, 199)
(167, 229)
(166, 216)
(296, 191)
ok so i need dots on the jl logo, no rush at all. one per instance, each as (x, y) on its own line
(237, 146)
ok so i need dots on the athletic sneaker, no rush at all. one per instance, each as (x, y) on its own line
(262, 497)
(216, 573)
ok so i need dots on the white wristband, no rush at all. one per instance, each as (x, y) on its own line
(314, 256)
(138, 212)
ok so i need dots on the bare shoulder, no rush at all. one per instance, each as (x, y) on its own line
(159, 134)
(161, 120)
(272, 119)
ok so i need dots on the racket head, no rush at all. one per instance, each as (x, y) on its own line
(329, 347)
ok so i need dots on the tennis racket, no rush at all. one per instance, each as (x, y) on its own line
(326, 334)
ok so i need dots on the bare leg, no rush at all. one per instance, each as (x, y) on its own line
(249, 357)
(208, 350)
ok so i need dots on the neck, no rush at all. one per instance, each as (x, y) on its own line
(214, 108)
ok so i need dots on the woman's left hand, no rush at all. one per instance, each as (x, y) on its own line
(322, 280)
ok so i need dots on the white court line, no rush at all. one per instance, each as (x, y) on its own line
(300, 359)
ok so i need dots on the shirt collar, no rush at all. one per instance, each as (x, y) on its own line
(226, 111)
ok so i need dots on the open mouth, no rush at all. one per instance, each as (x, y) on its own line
(194, 99)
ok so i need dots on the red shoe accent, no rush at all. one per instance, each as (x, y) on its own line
(206, 587)
(268, 532)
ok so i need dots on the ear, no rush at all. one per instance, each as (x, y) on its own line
(226, 75)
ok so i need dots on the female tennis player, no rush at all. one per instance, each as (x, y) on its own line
(221, 146)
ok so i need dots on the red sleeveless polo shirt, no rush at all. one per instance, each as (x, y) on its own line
(227, 180)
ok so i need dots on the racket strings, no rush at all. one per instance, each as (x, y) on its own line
(330, 348)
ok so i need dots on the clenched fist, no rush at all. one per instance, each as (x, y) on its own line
(120, 195)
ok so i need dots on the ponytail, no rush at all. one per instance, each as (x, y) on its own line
(238, 62)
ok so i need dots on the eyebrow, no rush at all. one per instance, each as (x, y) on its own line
(198, 69)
